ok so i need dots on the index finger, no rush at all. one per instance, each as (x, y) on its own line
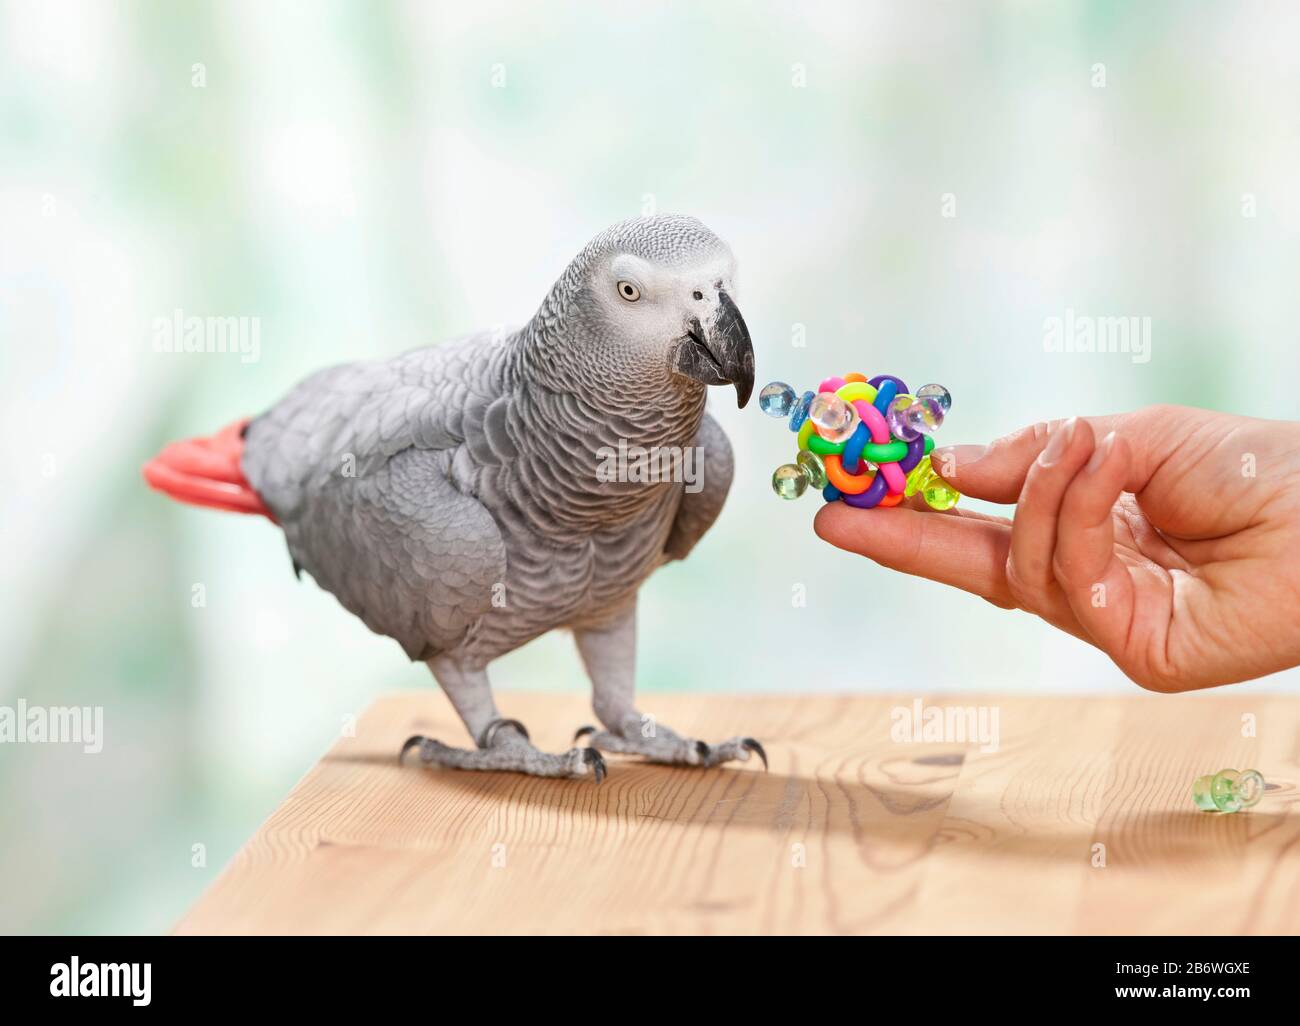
(996, 472)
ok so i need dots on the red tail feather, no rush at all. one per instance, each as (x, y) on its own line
(205, 472)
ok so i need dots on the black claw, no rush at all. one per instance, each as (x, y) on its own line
(414, 741)
(701, 749)
(583, 732)
(596, 761)
(756, 748)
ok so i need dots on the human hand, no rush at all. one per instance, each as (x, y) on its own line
(1168, 537)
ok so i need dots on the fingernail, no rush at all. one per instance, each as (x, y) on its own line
(1058, 443)
(949, 459)
(1100, 454)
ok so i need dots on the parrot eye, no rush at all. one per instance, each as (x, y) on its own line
(629, 291)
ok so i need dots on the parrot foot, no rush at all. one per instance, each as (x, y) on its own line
(509, 754)
(667, 746)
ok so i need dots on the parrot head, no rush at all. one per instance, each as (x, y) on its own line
(655, 300)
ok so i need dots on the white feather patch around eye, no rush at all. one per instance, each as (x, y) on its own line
(625, 270)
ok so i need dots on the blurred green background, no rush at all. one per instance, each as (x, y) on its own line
(909, 188)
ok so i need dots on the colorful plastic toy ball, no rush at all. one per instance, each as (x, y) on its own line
(864, 442)
(1228, 791)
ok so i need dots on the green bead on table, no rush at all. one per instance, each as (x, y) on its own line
(1228, 791)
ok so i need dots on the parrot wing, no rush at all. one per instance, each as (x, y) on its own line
(403, 549)
(356, 465)
(699, 509)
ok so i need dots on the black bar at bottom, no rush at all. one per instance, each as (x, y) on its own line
(561, 975)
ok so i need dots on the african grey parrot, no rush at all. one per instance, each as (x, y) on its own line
(458, 498)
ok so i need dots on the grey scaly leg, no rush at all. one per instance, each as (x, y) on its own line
(502, 744)
(609, 653)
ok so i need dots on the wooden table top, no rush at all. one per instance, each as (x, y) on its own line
(1079, 822)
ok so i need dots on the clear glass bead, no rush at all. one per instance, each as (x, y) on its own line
(835, 418)
(895, 417)
(938, 393)
(923, 416)
(789, 481)
(777, 399)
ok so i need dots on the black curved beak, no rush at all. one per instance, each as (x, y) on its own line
(719, 353)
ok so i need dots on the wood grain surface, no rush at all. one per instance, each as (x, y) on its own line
(851, 831)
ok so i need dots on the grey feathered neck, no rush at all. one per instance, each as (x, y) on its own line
(592, 401)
